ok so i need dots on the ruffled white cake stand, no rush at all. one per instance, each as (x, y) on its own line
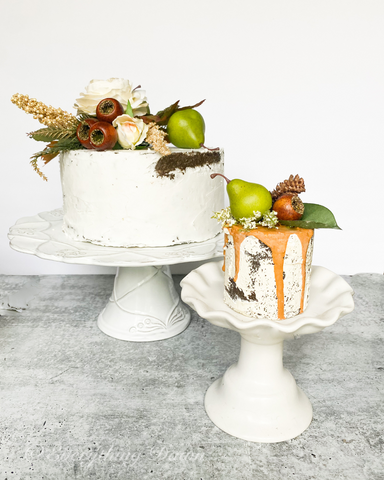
(144, 305)
(257, 399)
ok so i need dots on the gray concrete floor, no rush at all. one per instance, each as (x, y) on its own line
(76, 404)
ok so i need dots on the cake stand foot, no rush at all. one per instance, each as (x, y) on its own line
(144, 306)
(257, 399)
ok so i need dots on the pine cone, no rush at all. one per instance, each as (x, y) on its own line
(294, 184)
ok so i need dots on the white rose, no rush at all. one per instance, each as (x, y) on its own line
(130, 131)
(117, 88)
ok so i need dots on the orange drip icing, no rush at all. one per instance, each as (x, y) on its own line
(276, 240)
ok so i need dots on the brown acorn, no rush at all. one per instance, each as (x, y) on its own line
(82, 131)
(289, 207)
(108, 109)
(103, 136)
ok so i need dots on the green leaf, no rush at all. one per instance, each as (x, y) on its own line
(315, 216)
(129, 110)
(117, 146)
(162, 117)
(192, 106)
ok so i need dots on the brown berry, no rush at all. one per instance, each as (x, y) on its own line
(289, 207)
(82, 131)
(103, 136)
(108, 109)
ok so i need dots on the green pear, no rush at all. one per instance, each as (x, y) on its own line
(246, 198)
(186, 129)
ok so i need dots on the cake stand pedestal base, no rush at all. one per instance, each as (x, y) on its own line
(144, 306)
(257, 399)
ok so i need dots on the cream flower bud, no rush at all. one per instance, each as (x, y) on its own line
(130, 131)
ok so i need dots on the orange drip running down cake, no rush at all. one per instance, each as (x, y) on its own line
(267, 270)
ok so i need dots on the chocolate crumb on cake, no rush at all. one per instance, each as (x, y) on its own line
(235, 292)
(167, 164)
(257, 259)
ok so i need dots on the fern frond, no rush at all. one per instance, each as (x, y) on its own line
(50, 133)
(53, 133)
(83, 116)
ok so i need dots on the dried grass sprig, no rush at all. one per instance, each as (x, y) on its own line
(47, 115)
(37, 169)
(52, 150)
(156, 138)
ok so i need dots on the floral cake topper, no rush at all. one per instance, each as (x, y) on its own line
(253, 206)
(111, 114)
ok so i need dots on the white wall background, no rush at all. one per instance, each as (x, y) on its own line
(292, 86)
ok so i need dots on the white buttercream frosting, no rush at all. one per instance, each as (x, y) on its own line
(116, 198)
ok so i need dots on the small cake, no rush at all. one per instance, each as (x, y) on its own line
(268, 247)
(126, 198)
(267, 270)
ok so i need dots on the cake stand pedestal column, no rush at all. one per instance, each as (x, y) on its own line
(144, 305)
(257, 399)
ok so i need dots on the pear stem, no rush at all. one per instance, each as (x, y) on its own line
(214, 175)
(210, 149)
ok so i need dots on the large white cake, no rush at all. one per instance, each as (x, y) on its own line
(122, 198)
(267, 271)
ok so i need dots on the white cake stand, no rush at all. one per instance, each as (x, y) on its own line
(257, 399)
(144, 305)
